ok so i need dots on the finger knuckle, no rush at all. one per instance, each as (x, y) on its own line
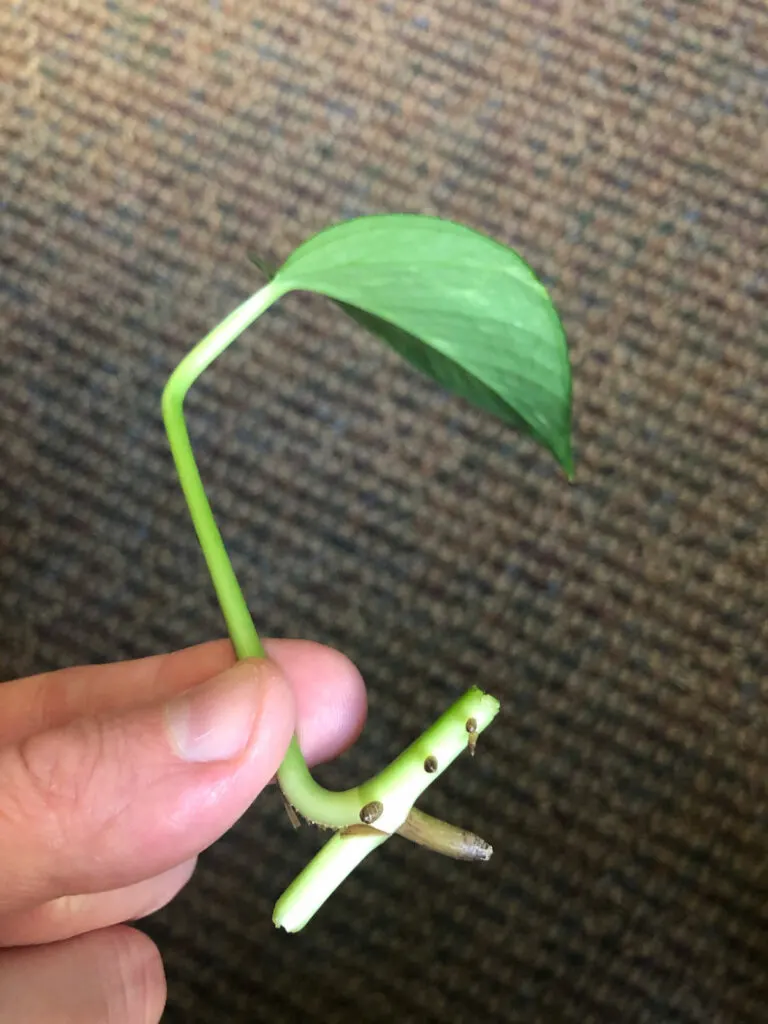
(57, 776)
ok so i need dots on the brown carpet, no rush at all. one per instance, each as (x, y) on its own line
(622, 147)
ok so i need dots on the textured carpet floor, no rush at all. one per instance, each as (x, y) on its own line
(147, 148)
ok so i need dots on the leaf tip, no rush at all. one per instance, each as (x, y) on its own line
(564, 456)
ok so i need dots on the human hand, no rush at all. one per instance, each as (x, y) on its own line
(112, 779)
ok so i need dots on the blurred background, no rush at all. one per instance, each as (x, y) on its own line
(622, 148)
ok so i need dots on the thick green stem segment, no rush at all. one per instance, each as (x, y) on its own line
(404, 780)
(322, 877)
(387, 801)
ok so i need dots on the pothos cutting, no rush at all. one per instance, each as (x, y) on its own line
(472, 315)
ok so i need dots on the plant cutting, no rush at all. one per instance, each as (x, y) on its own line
(471, 314)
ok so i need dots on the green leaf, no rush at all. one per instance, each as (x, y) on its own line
(463, 309)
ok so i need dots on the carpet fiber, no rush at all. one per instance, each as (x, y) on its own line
(621, 147)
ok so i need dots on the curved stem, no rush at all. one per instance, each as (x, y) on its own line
(242, 632)
(310, 799)
(397, 787)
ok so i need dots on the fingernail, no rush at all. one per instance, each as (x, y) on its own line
(215, 721)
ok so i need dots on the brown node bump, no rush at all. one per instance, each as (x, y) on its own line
(371, 812)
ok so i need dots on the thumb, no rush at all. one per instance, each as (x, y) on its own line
(107, 801)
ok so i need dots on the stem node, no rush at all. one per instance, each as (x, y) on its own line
(371, 812)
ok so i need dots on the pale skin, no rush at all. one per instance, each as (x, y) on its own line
(111, 783)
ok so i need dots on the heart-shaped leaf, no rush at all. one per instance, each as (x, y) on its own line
(463, 309)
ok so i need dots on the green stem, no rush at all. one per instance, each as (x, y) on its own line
(321, 877)
(393, 792)
(311, 800)
(244, 637)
